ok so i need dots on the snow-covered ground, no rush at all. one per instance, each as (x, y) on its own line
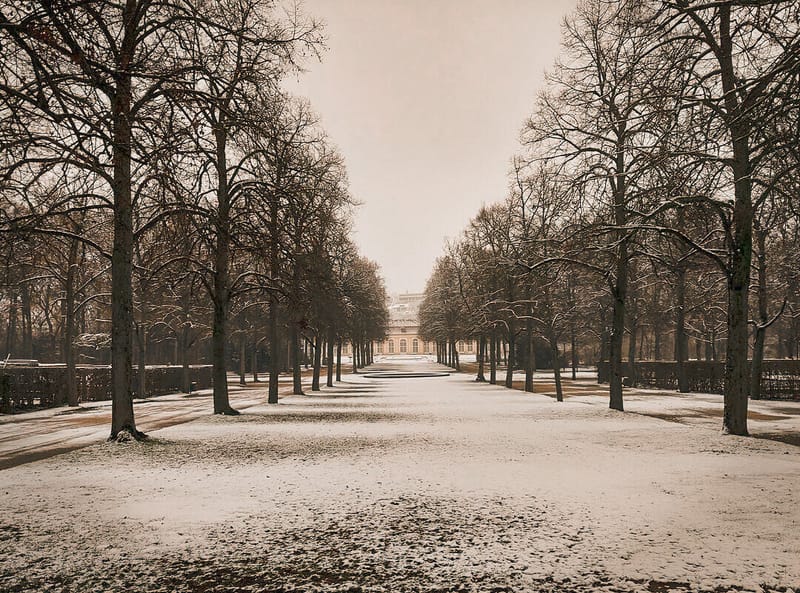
(434, 484)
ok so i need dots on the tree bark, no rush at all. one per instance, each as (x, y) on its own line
(493, 357)
(274, 351)
(339, 360)
(737, 375)
(510, 359)
(254, 363)
(69, 325)
(317, 361)
(556, 369)
(329, 368)
(221, 299)
(122, 418)
(632, 333)
(762, 321)
(481, 356)
(294, 350)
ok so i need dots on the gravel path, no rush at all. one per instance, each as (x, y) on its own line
(415, 484)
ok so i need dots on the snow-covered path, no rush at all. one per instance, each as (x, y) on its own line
(37, 435)
(427, 484)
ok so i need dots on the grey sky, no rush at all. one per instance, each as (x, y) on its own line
(425, 99)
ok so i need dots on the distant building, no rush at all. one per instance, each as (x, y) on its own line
(402, 334)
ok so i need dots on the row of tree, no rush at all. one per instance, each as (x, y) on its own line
(156, 181)
(658, 181)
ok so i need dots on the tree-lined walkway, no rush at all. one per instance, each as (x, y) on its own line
(430, 484)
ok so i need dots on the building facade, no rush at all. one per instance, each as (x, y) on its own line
(403, 336)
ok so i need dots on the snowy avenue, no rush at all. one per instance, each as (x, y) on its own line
(420, 484)
(399, 296)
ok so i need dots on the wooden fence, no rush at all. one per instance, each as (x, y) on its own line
(780, 379)
(27, 387)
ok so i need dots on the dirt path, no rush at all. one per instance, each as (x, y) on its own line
(419, 484)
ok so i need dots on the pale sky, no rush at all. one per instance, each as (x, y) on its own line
(425, 99)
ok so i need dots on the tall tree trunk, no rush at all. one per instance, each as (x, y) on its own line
(294, 350)
(339, 360)
(69, 325)
(141, 387)
(737, 375)
(329, 368)
(221, 299)
(763, 320)
(620, 291)
(254, 362)
(274, 351)
(510, 359)
(122, 418)
(493, 357)
(317, 361)
(556, 368)
(481, 358)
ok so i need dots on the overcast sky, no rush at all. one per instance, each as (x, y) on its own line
(425, 99)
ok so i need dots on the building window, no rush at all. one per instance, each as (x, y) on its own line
(391, 346)
(469, 346)
(460, 346)
(380, 347)
(403, 345)
(415, 346)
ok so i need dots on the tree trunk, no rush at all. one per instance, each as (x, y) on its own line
(574, 348)
(69, 325)
(510, 358)
(620, 292)
(317, 361)
(339, 360)
(254, 363)
(329, 368)
(737, 375)
(556, 369)
(122, 418)
(243, 359)
(681, 340)
(295, 352)
(141, 387)
(481, 357)
(274, 351)
(493, 358)
(762, 321)
(632, 375)
(221, 298)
